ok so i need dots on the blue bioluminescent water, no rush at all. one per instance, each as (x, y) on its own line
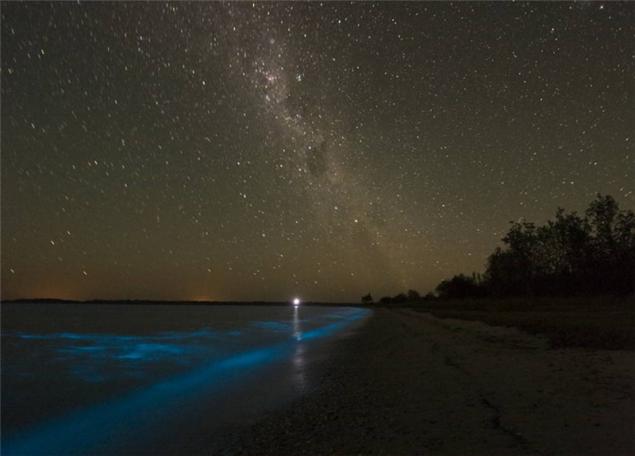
(109, 390)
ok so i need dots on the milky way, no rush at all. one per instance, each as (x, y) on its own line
(238, 151)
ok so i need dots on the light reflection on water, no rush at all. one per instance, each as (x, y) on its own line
(299, 371)
(165, 371)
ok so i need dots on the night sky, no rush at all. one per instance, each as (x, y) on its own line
(260, 151)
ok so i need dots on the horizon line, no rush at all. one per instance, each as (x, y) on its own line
(166, 301)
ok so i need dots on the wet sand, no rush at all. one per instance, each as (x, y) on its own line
(410, 383)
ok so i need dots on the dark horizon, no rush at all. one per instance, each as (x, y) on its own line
(168, 302)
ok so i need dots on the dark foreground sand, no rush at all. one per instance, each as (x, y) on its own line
(409, 383)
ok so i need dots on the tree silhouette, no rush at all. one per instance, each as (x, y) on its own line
(413, 295)
(613, 244)
(593, 254)
(400, 298)
(572, 254)
(460, 286)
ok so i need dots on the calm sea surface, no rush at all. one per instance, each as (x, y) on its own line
(103, 379)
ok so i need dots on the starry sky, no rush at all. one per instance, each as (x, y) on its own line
(239, 151)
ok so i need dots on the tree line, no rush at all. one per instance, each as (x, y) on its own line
(573, 254)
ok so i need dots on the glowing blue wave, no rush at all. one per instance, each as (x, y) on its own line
(134, 416)
(101, 357)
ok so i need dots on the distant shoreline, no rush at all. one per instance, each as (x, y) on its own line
(144, 302)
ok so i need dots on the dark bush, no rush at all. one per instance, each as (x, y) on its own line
(571, 255)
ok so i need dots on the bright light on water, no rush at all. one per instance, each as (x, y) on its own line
(296, 301)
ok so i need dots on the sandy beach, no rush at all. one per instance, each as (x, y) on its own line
(410, 383)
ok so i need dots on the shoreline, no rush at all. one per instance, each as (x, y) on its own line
(409, 383)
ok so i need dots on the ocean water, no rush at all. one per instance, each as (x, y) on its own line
(105, 379)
